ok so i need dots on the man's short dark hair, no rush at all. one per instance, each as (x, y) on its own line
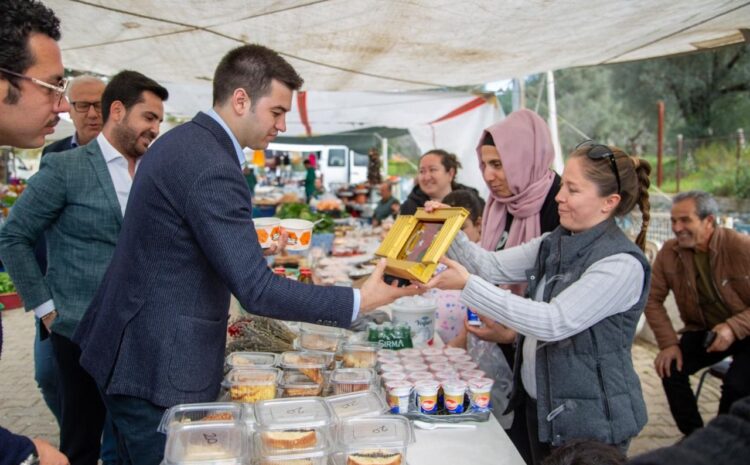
(19, 20)
(252, 67)
(128, 87)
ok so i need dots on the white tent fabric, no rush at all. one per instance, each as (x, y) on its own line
(386, 45)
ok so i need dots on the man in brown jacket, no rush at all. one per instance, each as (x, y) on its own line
(708, 270)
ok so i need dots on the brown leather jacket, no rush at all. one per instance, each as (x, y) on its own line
(673, 269)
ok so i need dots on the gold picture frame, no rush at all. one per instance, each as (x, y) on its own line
(415, 243)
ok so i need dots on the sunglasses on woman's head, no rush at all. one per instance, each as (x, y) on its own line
(598, 151)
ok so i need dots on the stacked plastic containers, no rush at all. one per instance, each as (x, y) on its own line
(305, 430)
(433, 381)
(293, 431)
(205, 434)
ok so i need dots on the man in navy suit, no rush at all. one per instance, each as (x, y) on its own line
(155, 333)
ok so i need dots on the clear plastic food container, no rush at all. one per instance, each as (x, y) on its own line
(307, 457)
(369, 440)
(330, 357)
(200, 413)
(345, 380)
(357, 404)
(250, 360)
(308, 412)
(252, 385)
(309, 363)
(207, 443)
(296, 384)
(294, 440)
(359, 355)
(320, 338)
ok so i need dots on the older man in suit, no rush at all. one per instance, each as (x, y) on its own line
(154, 335)
(85, 96)
(79, 197)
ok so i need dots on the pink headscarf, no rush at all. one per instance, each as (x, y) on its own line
(525, 147)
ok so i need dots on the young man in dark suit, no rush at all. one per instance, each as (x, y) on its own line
(155, 334)
(79, 197)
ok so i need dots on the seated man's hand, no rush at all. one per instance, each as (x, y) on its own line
(663, 361)
(724, 338)
(492, 331)
(278, 246)
(375, 292)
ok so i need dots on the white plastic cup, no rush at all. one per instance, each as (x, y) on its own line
(399, 394)
(471, 374)
(427, 395)
(409, 353)
(419, 314)
(452, 351)
(479, 394)
(268, 230)
(463, 366)
(300, 233)
(454, 391)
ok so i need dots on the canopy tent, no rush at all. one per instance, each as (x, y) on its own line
(385, 46)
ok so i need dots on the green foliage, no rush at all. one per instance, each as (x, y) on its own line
(713, 168)
(304, 212)
(6, 285)
(400, 168)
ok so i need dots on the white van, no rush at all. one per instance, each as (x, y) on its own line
(337, 163)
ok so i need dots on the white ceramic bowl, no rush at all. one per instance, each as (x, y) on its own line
(300, 233)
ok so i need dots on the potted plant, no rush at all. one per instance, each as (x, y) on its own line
(9, 298)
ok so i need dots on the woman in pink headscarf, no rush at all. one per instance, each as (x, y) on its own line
(515, 157)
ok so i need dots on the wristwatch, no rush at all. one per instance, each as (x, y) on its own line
(32, 459)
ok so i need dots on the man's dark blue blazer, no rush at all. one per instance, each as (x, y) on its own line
(157, 327)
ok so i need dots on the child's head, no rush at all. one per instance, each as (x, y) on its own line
(474, 204)
(586, 452)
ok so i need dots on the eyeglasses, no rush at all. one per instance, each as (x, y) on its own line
(58, 90)
(83, 107)
(597, 152)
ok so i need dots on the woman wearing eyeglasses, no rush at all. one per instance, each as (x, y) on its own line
(588, 284)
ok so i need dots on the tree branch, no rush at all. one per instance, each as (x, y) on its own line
(741, 87)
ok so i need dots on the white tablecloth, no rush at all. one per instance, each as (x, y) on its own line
(487, 444)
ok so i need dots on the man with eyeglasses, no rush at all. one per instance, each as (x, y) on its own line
(85, 97)
(79, 198)
(31, 97)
